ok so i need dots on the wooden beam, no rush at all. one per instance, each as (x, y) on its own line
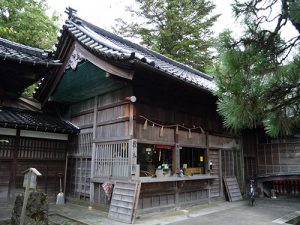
(57, 75)
(114, 70)
(120, 120)
(13, 172)
(100, 108)
(8, 131)
(44, 135)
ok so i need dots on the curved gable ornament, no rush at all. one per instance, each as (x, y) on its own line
(74, 60)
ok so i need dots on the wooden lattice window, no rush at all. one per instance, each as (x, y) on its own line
(111, 159)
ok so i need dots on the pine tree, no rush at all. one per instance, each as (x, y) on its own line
(179, 29)
(258, 74)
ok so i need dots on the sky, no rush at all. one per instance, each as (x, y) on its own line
(103, 12)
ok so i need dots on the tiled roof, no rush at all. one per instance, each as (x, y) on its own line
(26, 119)
(23, 53)
(115, 47)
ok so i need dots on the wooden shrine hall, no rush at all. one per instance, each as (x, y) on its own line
(145, 121)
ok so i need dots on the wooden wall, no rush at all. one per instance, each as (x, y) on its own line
(108, 120)
(278, 158)
(265, 156)
(106, 117)
(18, 154)
(103, 120)
(166, 195)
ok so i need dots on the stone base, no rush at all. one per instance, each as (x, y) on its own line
(36, 210)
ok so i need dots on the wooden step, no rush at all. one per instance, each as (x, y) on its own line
(124, 201)
(232, 189)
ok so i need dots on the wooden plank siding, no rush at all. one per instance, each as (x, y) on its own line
(278, 158)
(113, 123)
(266, 157)
(46, 155)
(104, 120)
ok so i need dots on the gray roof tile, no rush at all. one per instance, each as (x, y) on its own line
(26, 119)
(16, 51)
(115, 47)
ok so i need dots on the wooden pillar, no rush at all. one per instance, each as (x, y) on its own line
(176, 154)
(279, 157)
(131, 122)
(220, 173)
(176, 193)
(13, 172)
(206, 153)
(92, 189)
(242, 162)
(257, 155)
(272, 161)
(233, 163)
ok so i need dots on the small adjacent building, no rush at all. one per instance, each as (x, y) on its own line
(142, 117)
(273, 162)
(28, 136)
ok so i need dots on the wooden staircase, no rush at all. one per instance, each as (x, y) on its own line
(124, 201)
(232, 189)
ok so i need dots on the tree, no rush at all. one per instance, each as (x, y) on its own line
(179, 29)
(25, 22)
(258, 74)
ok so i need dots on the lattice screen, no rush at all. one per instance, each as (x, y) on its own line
(111, 159)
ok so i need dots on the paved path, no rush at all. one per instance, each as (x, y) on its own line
(264, 212)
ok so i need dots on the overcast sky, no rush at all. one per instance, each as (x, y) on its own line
(103, 12)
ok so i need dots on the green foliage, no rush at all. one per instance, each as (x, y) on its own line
(258, 78)
(178, 29)
(25, 22)
(28, 92)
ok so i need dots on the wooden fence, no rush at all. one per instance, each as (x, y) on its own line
(111, 159)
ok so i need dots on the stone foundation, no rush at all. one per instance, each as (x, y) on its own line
(36, 210)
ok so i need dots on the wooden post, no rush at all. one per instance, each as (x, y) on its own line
(206, 153)
(176, 193)
(130, 132)
(265, 159)
(13, 173)
(233, 164)
(220, 173)
(257, 156)
(242, 164)
(176, 154)
(272, 161)
(66, 169)
(278, 149)
(132, 157)
(176, 160)
(92, 189)
(26, 195)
